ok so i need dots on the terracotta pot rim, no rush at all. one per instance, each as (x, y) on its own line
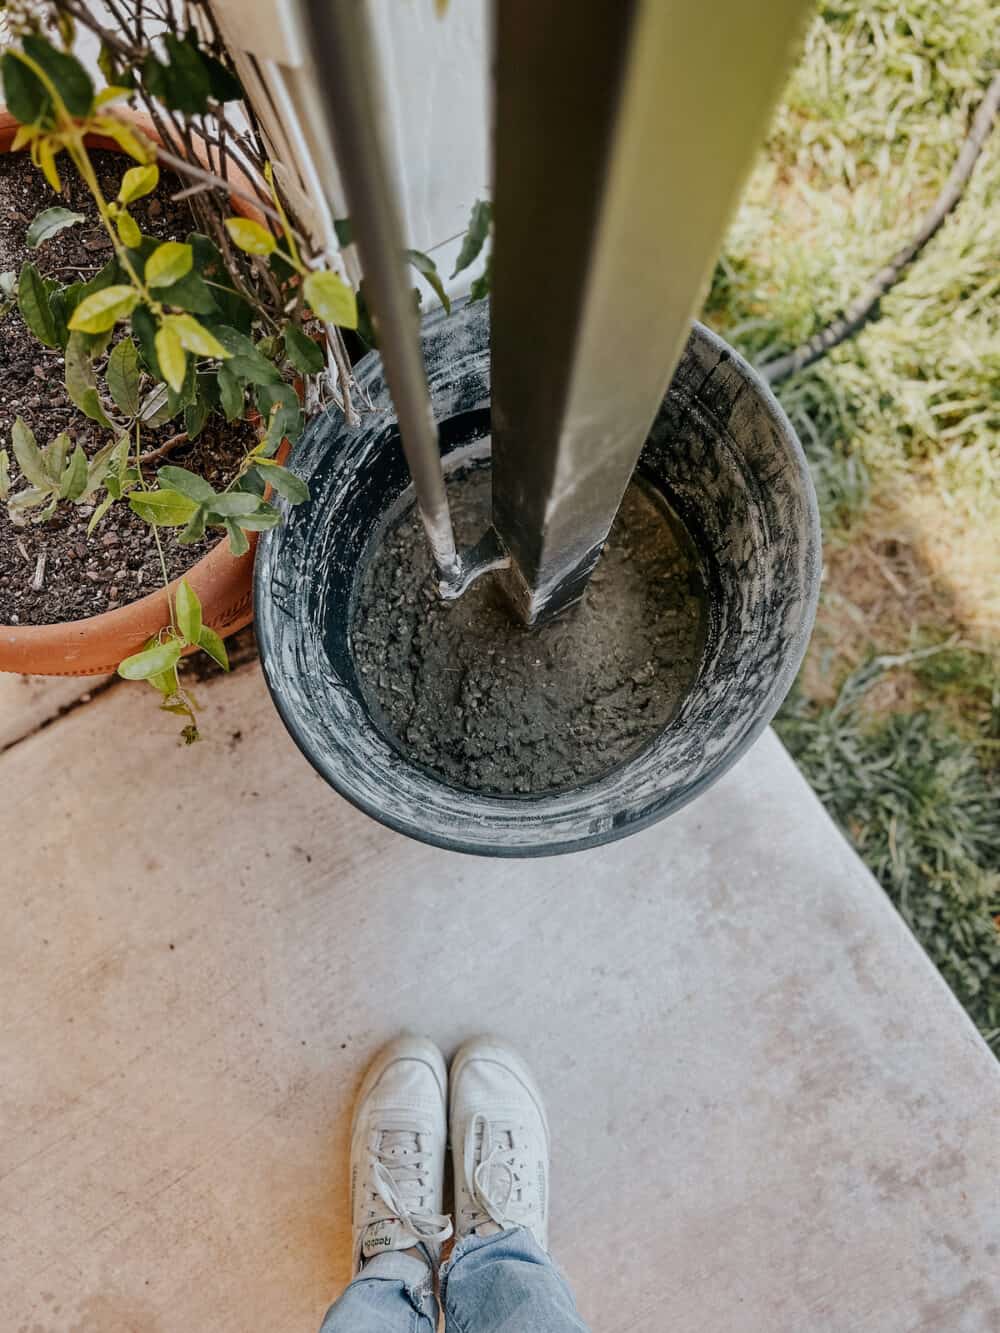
(94, 645)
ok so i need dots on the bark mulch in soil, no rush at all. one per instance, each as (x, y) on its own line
(493, 707)
(83, 576)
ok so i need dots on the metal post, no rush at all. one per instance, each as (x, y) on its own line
(624, 130)
(348, 81)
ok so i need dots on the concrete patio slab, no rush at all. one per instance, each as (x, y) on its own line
(28, 702)
(769, 1113)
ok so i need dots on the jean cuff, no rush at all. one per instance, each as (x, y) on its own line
(471, 1243)
(416, 1275)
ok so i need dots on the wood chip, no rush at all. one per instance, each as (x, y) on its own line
(38, 580)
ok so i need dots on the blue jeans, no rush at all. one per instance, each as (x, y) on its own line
(494, 1284)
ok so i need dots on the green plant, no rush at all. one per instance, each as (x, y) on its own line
(476, 234)
(54, 472)
(227, 321)
(159, 660)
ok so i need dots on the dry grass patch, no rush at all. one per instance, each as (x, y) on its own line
(920, 563)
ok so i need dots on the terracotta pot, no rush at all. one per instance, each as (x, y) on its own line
(94, 646)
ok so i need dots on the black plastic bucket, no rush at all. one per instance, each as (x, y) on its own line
(727, 461)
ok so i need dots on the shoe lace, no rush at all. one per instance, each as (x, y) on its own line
(496, 1175)
(400, 1184)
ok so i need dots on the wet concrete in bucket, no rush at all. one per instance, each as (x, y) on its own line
(488, 705)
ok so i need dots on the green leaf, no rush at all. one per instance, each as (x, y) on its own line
(187, 64)
(252, 482)
(81, 381)
(366, 325)
(286, 483)
(183, 83)
(481, 287)
(4, 474)
(74, 481)
(192, 293)
(195, 529)
(213, 645)
(168, 262)
(70, 79)
(103, 309)
(179, 399)
(128, 140)
(28, 455)
(114, 74)
(29, 499)
(194, 337)
(344, 231)
(25, 93)
(171, 356)
(168, 509)
(33, 303)
(50, 222)
(232, 504)
(63, 303)
(47, 151)
(167, 683)
(284, 423)
(426, 267)
(122, 375)
(138, 181)
(207, 256)
(251, 237)
(118, 472)
(266, 517)
(128, 229)
(238, 543)
(195, 416)
(245, 362)
(225, 86)
(144, 330)
(475, 235)
(282, 269)
(188, 483)
(188, 610)
(304, 353)
(99, 513)
(113, 93)
(55, 454)
(110, 274)
(331, 299)
(230, 393)
(100, 465)
(152, 661)
(270, 395)
(137, 255)
(155, 407)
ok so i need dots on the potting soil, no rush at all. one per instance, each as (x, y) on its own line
(54, 571)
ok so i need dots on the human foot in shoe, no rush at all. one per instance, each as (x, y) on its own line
(500, 1143)
(398, 1146)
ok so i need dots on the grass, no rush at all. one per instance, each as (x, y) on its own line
(896, 715)
(918, 804)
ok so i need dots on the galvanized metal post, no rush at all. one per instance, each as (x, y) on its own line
(624, 131)
(349, 81)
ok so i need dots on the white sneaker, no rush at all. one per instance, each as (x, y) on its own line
(499, 1143)
(398, 1146)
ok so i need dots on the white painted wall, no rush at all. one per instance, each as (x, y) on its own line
(435, 78)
